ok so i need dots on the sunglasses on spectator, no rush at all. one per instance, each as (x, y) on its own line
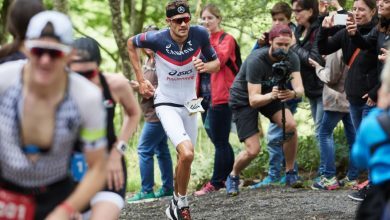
(38, 49)
(180, 20)
(88, 73)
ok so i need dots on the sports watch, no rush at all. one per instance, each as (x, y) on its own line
(122, 147)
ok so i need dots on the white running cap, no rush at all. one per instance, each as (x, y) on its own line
(62, 27)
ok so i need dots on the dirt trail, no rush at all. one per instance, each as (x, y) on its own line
(269, 203)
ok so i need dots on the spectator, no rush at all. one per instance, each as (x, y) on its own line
(153, 139)
(335, 110)
(378, 36)
(305, 45)
(217, 111)
(254, 91)
(18, 16)
(281, 14)
(362, 78)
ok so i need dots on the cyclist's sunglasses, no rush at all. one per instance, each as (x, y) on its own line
(53, 53)
(181, 20)
(88, 73)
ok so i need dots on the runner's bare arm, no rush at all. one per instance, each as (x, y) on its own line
(212, 66)
(132, 114)
(92, 182)
(146, 89)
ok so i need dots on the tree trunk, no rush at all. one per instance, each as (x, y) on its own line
(3, 21)
(61, 6)
(139, 22)
(117, 29)
(135, 18)
(198, 9)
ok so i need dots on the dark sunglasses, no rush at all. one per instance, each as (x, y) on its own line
(180, 20)
(53, 53)
(88, 73)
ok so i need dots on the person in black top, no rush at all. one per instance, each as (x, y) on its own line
(116, 89)
(305, 46)
(254, 90)
(362, 77)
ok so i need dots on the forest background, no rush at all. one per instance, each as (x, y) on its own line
(112, 22)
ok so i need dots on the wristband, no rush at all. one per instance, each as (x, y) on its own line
(67, 207)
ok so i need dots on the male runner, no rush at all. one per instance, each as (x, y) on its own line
(44, 110)
(177, 61)
(108, 203)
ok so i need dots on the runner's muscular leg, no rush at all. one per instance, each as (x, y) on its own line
(252, 149)
(185, 152)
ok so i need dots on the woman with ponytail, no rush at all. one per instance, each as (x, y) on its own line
(18, 17)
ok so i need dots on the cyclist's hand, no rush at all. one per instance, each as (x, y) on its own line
(199, 65)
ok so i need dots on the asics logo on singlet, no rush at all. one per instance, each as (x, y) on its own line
(181, 52)
(168, 46)
(182, 73)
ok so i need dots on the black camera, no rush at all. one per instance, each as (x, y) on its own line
(281, 70)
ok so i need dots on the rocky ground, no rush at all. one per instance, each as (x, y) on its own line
(268, 203)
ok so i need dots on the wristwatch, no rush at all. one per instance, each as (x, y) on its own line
(122, 147)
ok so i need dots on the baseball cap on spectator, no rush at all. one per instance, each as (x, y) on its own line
(51, 24)
(280, 30)
(87, 50)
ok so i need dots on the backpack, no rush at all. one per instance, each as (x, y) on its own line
(234, 68)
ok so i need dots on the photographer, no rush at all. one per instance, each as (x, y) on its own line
(255, 89)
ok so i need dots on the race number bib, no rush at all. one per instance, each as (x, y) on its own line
(15, 206)
(194, 106)
(78, 166)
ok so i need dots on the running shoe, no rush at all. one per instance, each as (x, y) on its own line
(361, 185)
(171, 210)
(293, 180)
(283, 180)
(232, 183)
(361, 194)
(326, 184)
(206, 189)
(267, 181)
(163, 192)
(183, 213)
(347, 183)
(141, 196)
